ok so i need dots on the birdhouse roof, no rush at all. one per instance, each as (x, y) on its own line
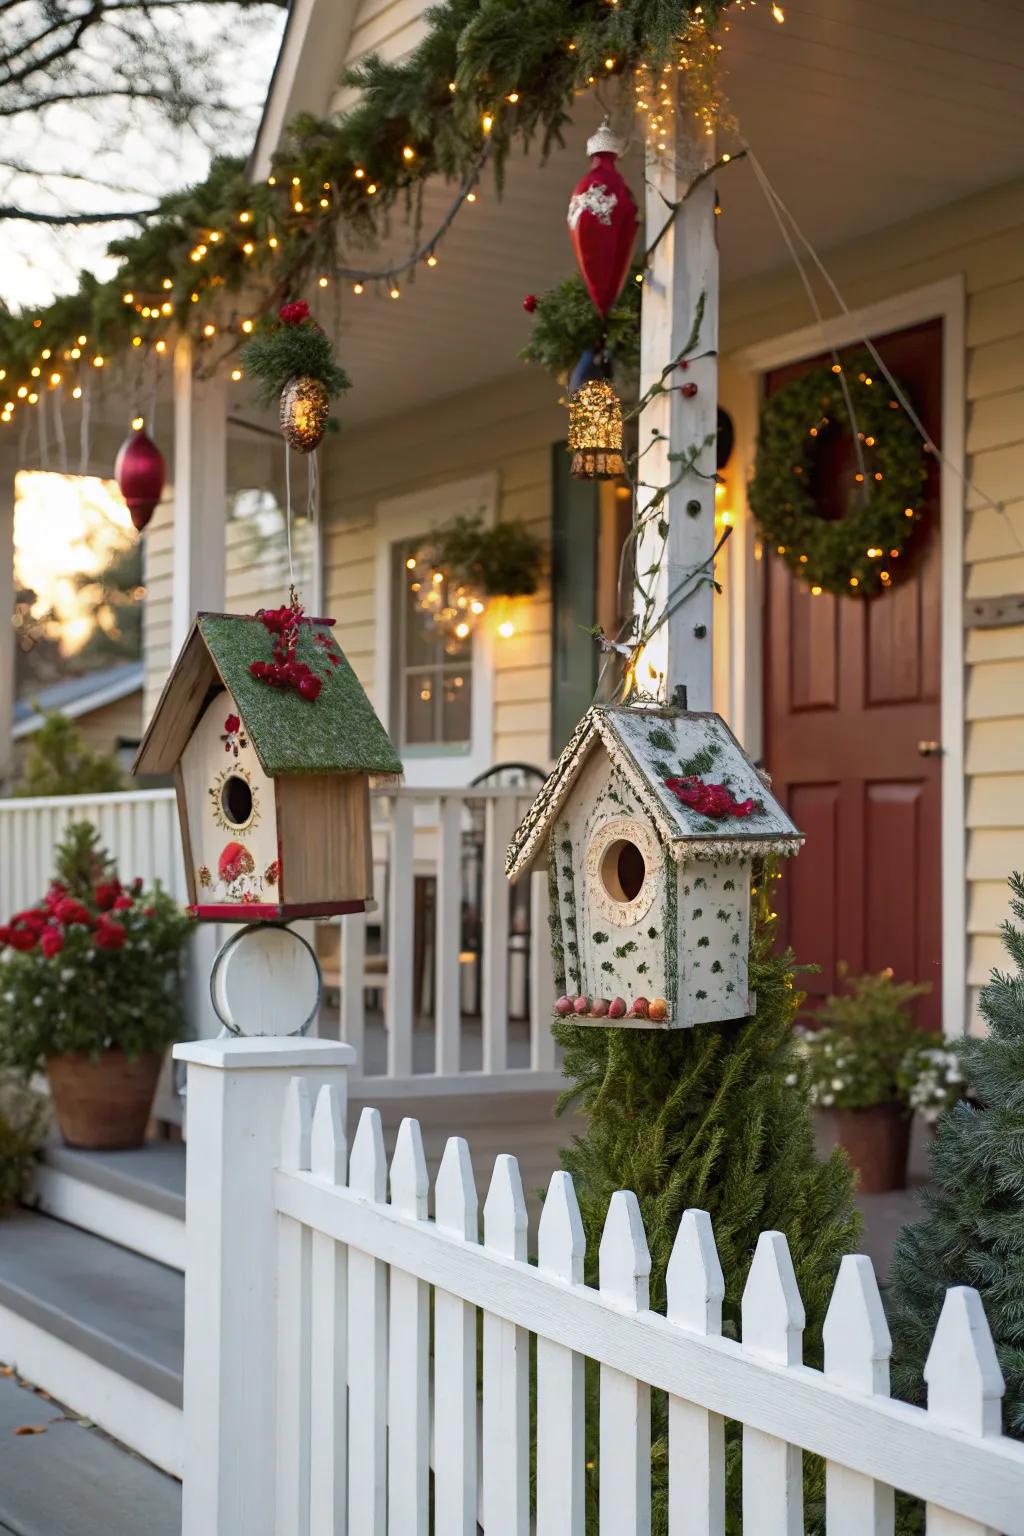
(648, 746)
(337, 732)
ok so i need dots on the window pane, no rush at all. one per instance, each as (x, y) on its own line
(456, 696)
(420, 708)
(431, 665)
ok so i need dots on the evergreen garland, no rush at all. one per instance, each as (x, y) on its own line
(973, 1229)
(567, 324)
(283, 349)
(488, 75)
(853, 555)
(716, 1117)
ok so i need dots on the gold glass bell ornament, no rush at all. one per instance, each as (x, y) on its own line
(304, 412)
(595, 421)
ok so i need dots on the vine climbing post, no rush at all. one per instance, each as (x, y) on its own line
(676, 440)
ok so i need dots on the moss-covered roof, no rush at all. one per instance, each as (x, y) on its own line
(337, 732)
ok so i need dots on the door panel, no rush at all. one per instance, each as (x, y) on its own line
(851, 689)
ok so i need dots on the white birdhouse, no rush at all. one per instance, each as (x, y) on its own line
(649, 822)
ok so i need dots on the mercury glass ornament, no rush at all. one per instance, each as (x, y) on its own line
(304, 412)
(595, 431)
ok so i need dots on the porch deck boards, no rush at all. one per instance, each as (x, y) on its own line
(74, 1480)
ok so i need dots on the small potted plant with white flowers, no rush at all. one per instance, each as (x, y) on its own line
(864, 1063)
(91, 993)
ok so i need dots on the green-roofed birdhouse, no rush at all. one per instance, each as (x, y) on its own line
(272, 743)
(649, 823)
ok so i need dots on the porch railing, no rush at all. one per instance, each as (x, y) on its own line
(331, 1349)
(449, 975)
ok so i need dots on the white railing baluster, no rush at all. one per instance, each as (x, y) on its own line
(857, 1351)
(561, 1247)
(506, 1384)
(455, 1394)
(625, 1428)
(367, 1345)
(352, 1016)
(399, 1002)
(448, 936)
(499, 825)
(773, 1325)
(965, 1390)
(696, 1438)
(294, 1256)
(328, 1493)
(409, 1354)
(542, 977)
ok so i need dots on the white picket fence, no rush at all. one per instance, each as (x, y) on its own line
(448, 845)
(316, 1405)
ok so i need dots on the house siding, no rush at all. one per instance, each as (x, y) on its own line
(507, 428)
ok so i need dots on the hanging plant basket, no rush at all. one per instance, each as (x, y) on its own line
(464, 565)
(853, 555)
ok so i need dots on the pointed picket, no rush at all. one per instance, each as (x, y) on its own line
(329, 1331)
(773, 1325)
(455, 1395)
(506, 1385)
(367, 1345)
(294, 1271)
(624, 1265)
(561, 1246)
(409, 1353)
(965, 1388)
(328, 1148)
(857, 1351)
(296, 1124)
(696, 1437)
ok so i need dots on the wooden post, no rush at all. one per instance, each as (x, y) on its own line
(237, 1090)
(681, 280)
(200, 494)
(7, 473)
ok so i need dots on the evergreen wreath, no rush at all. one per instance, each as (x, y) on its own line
(852, 555)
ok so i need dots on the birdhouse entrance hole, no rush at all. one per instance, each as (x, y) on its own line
(623, 870)
(236, 800)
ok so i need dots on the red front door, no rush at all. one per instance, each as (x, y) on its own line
(851, 704)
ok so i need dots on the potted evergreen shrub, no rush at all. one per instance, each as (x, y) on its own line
(90, 992)
(865, 1060)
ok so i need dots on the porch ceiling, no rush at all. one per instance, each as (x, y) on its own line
(863, 112)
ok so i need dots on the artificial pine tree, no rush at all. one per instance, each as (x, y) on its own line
(716, 1117)
(973, 1233)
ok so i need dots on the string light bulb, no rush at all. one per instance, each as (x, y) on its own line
(357, 288)
(209, 329)
(431, 260)
(247, 326)
(161, 346)
(236, 374)
(324, 281)
(394, 291)
(138, 422)
(168, 284)
(408, 153)
(245, 217)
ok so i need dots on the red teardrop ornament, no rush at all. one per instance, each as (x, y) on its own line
(603, 221)
(140, 472)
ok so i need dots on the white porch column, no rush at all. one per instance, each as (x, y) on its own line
(200, 493)
(683, 274)
(236, 1097)
(7, 473)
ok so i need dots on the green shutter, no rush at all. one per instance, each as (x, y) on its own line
(574, 657)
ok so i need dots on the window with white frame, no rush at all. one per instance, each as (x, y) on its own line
(432, 670)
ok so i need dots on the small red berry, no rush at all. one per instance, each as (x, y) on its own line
(530, 303)
(689, 390)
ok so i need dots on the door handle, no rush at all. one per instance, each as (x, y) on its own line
(930, 748)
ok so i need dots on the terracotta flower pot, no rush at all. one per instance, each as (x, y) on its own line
(103, 1103)
(877, 1142)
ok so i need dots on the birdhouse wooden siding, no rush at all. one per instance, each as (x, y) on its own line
(273, 788)
(650, 898)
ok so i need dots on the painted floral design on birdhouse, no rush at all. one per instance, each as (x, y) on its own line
(650, 822)
(233, 736)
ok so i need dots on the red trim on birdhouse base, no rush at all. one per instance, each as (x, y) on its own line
(286, 912)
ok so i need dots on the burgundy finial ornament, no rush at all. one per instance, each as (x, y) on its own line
(140, 472)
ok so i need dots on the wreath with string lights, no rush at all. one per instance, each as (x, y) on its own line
(854, 554)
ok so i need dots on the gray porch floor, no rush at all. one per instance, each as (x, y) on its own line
(74, 1480)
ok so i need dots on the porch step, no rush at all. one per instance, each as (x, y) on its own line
(99, 1327)
(136, 1199)
(74, 1480)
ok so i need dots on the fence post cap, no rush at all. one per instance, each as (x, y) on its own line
(235, 1053)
